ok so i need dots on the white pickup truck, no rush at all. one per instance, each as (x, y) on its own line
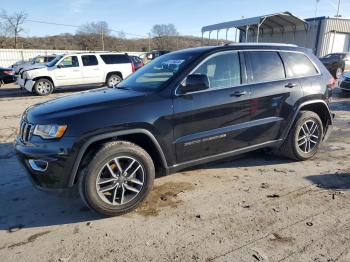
(75, 70)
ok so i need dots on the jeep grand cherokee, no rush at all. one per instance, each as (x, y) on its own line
(182, 109)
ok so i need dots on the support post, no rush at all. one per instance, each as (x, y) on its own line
(246, 33)
(257, 34)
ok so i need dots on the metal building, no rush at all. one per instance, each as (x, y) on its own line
(323, 35)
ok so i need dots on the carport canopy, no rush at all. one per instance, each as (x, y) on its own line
(265, 23)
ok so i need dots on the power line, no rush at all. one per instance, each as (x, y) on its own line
(76, 26)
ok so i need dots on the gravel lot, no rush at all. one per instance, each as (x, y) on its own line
(254, 208)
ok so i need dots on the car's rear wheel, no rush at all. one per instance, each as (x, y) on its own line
(113, 80)
(304, 138)
(338, 72)
(43, 87)
(117, 179)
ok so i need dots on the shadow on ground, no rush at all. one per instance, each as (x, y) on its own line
(334, 181)
(17, 92)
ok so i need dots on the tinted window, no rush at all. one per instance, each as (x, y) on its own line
(89, 60)
(70, 61)
(222, 70)
(115, 59)
(265, 66)
(49, 59)
(297, 64)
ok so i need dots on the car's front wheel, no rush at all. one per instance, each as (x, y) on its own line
(117, 179)
(43, 87)
(339, 72)
(304, 138)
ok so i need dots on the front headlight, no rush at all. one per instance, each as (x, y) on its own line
(49, 131)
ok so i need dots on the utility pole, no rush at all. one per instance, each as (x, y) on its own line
(149, 42)
(335, 32)
(102, 40)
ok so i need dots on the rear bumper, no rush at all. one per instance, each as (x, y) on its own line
(48, 165)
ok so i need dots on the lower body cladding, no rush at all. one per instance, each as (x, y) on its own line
(28, 84)
(48, 167)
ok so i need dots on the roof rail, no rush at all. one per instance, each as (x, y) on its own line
(259, 44)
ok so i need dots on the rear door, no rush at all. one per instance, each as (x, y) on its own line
(70, 73)
(273, 95)
(213, 121)
(91, 70)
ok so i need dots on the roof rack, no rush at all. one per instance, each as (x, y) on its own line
(259, 44)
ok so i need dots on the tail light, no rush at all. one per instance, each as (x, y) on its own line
(331, 82)
(132, 67)
(9, 72)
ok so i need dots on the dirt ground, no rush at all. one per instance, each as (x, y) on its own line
(257, 207)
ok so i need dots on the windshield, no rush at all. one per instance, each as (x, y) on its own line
(156, 73)
(53, 62)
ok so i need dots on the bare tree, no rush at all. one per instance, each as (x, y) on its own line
(14, 24)
(163, 35)
(92, 35)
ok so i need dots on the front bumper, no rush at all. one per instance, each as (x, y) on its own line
(28, 84)
(53, 162)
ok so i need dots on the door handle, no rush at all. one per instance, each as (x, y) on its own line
(290, 85)
(239, 93)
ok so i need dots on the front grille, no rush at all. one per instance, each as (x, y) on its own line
(25, 131)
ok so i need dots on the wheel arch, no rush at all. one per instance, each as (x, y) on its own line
(114, 72)
(319, 107)
(44, 77)
(141, 137)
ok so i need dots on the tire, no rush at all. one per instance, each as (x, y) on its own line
(338, 73)
(119, 199)
(297, 148)
(43, 87)
(113, 79)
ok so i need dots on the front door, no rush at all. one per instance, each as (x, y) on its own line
(210, 122)
(70, 73)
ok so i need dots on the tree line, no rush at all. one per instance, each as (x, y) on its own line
(93, 36)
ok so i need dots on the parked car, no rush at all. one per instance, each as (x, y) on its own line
(38, 61)
(337, 63)
(137, 61)
(156, 53)
(213, 103)
(75, 70)
(7, 76)
(344, 82)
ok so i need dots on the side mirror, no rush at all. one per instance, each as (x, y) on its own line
(60, 65)
(195, 82)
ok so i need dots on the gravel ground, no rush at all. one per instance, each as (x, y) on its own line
(257, 207)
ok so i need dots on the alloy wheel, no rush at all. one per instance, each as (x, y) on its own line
(44, 87)
(309, 136)
(120, 180)
(114, 80)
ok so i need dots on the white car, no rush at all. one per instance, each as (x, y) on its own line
(77, 69)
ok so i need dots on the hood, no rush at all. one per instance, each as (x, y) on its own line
(33, 66)
(61, 109)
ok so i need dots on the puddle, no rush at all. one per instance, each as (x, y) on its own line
(165, 195)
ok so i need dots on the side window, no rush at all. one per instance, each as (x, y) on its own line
(49, 59)
(89, 60)
(70, 61)
(222, 70)
(115, 59)
(265, 66)
(297, 64)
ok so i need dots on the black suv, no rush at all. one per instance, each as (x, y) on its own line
(182, 109)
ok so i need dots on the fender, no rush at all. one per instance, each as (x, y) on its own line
(290, 125)
(111, 135)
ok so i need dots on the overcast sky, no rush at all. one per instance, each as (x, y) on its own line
(138, 16)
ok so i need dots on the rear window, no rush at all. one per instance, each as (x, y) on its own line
(115, 59)
(264, 66)
(89, 60)
(298, 65)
